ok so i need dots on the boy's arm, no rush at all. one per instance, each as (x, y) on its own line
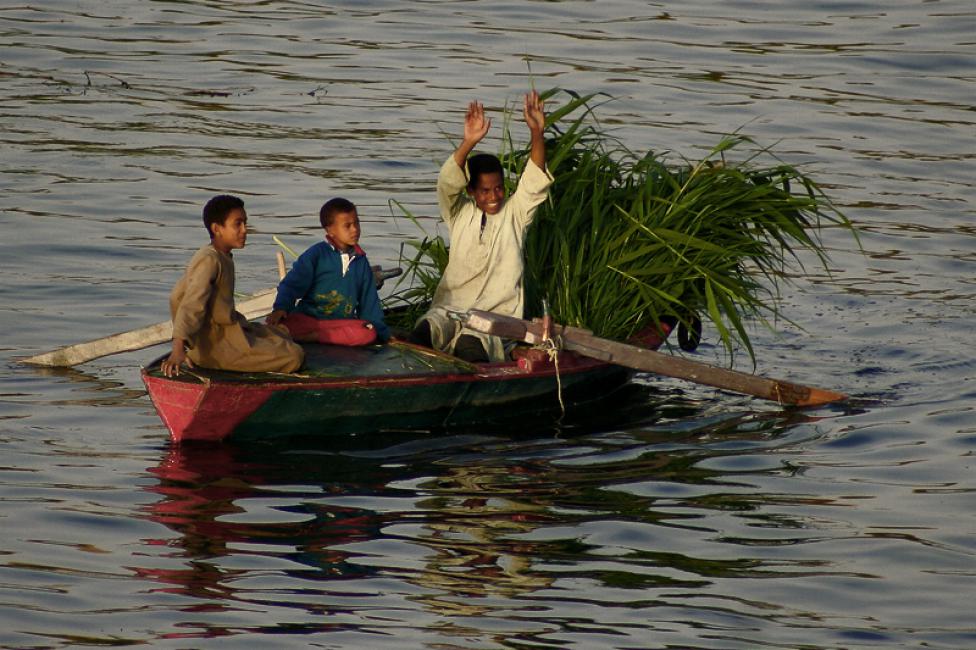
(293, 286)
(171, 364)
(451, 181)
(191, 312)
(452, 178)
(198, 286)
(533, 185)
(370, 307)
(476, 127)
(535, 119)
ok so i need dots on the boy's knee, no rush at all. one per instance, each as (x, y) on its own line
(421, 334)
(470, 349)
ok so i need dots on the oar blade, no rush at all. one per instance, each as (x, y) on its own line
(818, 397)
(72, 355)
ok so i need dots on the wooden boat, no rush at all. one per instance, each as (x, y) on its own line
(398, 386)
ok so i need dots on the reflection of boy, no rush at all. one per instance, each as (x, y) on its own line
(329, 295)
(202, 306)
(484, 269)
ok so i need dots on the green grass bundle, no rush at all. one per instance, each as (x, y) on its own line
(627, 239)
(423, 268)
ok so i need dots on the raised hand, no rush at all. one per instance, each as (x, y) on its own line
(476, 125)
(535, 117)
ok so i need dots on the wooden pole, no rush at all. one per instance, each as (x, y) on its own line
(257, 305)
(638, 358)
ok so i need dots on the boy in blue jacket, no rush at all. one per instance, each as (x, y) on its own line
(329, 295)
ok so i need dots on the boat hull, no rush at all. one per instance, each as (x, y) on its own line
(382, 388)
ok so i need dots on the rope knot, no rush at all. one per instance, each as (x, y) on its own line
(552, 346)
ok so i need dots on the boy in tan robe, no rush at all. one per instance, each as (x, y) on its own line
(484, 270)
(207, 330)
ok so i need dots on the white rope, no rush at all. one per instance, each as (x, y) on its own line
(552, 346)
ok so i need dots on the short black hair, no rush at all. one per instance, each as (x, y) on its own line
(333, 207)
(483, 163)
(218, 208)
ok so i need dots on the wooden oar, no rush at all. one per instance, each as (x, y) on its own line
(638, 358)
(256, 306)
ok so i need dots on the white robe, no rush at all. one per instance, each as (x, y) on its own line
(485, 269)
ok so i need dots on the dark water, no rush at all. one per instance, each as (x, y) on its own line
(693, 519)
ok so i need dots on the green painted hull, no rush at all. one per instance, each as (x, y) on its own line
(396, 387)
(360, 409)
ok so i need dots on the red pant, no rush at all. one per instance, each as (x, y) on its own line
(338, 331)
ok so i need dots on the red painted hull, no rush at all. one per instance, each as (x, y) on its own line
(372, 389)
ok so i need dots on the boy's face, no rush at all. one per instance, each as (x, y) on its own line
(232, 233)
(489, 192)
(344, 229)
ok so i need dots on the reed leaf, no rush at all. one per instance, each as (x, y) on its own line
(423, 262)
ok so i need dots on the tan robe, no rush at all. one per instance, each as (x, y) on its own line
(485, 269)
(202, 307)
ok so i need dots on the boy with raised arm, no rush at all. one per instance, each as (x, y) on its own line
(487, 232)
(207, 330)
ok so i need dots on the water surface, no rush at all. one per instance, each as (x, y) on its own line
(692, 519)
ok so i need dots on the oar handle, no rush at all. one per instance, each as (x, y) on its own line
(380, 275)
(280, 257)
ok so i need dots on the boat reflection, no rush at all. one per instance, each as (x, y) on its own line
(460, 521)
(211, 494)
(478, 517)
(452, 525)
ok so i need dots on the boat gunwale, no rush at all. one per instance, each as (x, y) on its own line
(485, 372)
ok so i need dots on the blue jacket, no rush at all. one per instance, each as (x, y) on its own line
(316, 286)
